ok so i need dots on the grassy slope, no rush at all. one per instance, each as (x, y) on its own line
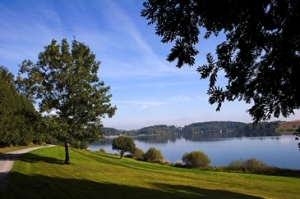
(41, 174)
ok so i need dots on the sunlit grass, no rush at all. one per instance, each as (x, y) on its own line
(41, 174)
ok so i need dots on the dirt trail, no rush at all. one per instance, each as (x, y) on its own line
(7, 161)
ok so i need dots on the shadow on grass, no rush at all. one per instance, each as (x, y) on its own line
(40, 186)
(29, 157)
(33, 158)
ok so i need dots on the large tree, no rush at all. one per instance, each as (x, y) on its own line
(260, 55)
(64, 82)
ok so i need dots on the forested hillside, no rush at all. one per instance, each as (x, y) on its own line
(224, 127)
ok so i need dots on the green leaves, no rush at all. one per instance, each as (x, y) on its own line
(18, 118)
(65, 80)
(123, 144)
(260, 55)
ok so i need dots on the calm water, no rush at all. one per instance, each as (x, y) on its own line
(279, 151)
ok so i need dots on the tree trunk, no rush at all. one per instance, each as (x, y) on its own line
(121, 154)
(67, 160)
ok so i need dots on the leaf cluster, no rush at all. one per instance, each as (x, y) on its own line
(260, 56)
(65, 84)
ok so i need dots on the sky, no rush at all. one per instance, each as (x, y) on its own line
(147, 89)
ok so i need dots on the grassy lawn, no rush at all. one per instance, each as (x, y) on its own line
(41, 174)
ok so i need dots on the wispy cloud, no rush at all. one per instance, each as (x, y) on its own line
(202, 98)
(145, 104)
(181, 98)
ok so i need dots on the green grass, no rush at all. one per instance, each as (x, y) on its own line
(41, 174)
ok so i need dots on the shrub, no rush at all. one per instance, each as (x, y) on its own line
(196, 159)
(178, 164)
(251, 165)
(102, 150)
(138, 153)
(153, 155)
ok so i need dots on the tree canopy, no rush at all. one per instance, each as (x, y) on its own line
(18, 118)
(123, 144)
(65, 84)
(260, 55)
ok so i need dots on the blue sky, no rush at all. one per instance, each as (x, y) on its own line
(146, 89)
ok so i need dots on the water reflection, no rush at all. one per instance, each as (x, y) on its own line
(221, 148)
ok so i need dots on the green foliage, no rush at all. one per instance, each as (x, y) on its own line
(153, 155)
(196, 159)
(65, 81)
(259, 55)
(111, 131)
(249, 165)
(123, 144)
(138, 153)
(102, 150)
(19, 119)
(204, 130)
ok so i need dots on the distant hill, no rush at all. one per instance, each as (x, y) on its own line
(234, 128)
(214, 126)
(289, 126)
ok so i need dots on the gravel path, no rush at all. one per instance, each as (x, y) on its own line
(7, 161)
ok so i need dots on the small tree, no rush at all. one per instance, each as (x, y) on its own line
(123, 144)
(153, 155)
(196, 159)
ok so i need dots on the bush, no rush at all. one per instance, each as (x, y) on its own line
(102, 150)
(196, 159)
(178, 164)
(251, 165)
(153, 155)
(138, 153)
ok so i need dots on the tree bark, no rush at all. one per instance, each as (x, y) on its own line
(67, 159)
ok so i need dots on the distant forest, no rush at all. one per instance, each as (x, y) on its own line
(227, 128)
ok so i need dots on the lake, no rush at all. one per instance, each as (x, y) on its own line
(279, 151)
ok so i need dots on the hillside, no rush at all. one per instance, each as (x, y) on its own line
(289, 126)
(234, 128)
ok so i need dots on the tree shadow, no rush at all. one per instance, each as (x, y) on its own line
(34, 158)
(9, 157)
(41, 186)
(29, 157)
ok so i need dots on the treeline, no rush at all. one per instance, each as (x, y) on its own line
(261, 129)
(217, 126)
(201, 129)
(20, 123)
(19, 120)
